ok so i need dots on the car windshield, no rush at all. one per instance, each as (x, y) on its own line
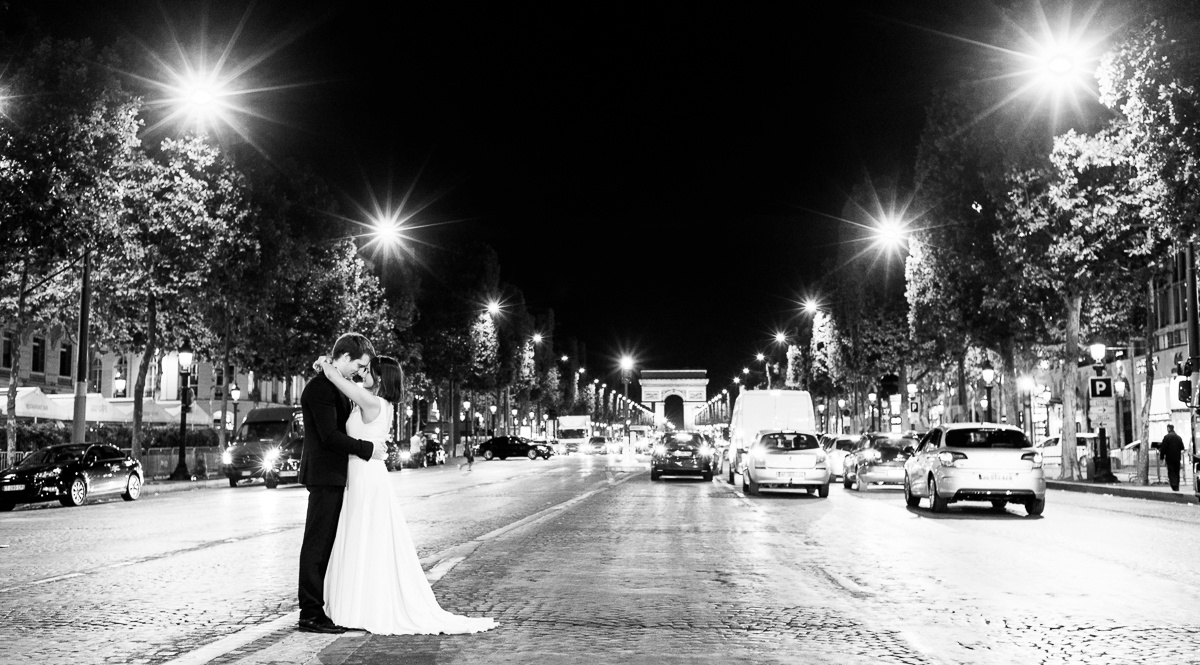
(985, 438)
(60, 455)
(264, 430)
(789, 441)
(844, 444)
(682, 441)
(889, 443)
(596, 439)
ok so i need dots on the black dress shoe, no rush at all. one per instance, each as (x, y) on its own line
(320, 626)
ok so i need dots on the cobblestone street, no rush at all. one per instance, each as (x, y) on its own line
(583, 560)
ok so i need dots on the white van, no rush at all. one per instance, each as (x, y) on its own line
(760, 410)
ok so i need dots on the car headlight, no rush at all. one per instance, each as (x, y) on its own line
(950, 457)
(226, 457)
(705, 450)
(660, 449)
(269, 458)
(870, 455)
(47, 475)
(405, 455)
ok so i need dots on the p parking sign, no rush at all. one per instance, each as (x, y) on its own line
(1100, 387)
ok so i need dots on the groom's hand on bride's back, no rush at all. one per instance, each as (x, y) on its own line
(380, 451)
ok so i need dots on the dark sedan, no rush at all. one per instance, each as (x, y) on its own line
(503, 447)
(70, 473)
(876, 458)
(682, 454)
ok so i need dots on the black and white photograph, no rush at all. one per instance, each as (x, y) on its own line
(436, 333)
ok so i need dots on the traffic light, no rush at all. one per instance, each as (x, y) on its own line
(889, 384)
(1185, 391)
(553, 413)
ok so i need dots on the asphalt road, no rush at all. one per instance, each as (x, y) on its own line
(582, 559)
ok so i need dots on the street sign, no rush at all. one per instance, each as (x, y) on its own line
(914, 406)
(1103, 414)
(1100, 387)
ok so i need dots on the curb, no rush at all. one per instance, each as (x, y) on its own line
(165, 486)
(1122, 491)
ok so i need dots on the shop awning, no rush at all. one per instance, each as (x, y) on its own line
(99, 409)
(152, 412)
(31, 403)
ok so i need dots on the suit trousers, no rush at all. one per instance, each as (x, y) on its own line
(320, 528)
(1173, 467)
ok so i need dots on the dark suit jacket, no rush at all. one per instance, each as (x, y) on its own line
(1171, 447)
(326, 446)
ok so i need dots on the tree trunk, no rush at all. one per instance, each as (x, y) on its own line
(1012, 395)
(1143, 453)
(139, 388)
(225, 371)
(962, 387)
(14, 375)
(1070, 463)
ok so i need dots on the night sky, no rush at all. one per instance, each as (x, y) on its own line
(664, 179)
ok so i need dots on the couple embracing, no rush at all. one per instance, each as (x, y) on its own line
(358, 565)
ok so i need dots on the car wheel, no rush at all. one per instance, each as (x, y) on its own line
(998, 504)
(823, 491)
(488, 455)
(233, 482)
(1035, 507)
(655, 474)
(272, 482)
(910, 499)
(752, 487)
(133, 487)
(6, 506)
(708, 476)
(847, 482)
(731, 474)
(861, 485)
(76, 493)
(533, 455)
(937, 503)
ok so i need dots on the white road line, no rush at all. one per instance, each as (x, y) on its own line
(55, 579)
(240, 639)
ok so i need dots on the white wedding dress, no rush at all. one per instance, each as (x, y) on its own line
(374, 580)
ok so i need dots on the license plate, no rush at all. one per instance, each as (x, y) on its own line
(287, 474)
(995, 476)
(247, 473)
(681, 453)
(789, 474)
(13, 488)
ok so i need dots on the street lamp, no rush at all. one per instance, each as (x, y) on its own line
(185, 370)
(824, 425)
(467, 410)
(871, 406)
(989, 375)
(235, 394)
(841, 409)
(492, 408)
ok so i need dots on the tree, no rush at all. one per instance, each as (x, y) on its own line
(66, 143)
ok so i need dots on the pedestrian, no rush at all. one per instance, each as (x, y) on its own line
(469, 453)
(1171, 450)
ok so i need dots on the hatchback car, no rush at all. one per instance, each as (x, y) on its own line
(975, 462)
(876, 458)
(503, 447)
(836, 448)
(681, 454)
(70, 473)
(786, 460)
(594, 445)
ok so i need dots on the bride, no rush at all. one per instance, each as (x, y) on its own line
(374, 580)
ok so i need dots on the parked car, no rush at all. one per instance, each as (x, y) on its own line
(836, 448)
(70, 473)
(503, 447)
(275, 431)
(435, 452)
(682, 454)
(1051, 447)
(975, 462)
(876, 458)
(785, 460)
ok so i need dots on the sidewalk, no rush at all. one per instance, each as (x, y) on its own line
(1186, 493)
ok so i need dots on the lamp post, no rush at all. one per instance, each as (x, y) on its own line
(824, 424)
(1101, 462)
(871, 397)
(841, 409)
(235, 394)
(185, 370)
(989, 375)
(1026, 386)
(467, 411)
(762, 358)
(492, 408)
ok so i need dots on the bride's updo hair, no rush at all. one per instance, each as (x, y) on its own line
(388, 376)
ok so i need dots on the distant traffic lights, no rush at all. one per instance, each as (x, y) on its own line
(1185, 391)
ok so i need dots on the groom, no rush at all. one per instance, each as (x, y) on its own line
(323, 471)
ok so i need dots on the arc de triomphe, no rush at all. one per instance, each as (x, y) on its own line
(690, 385)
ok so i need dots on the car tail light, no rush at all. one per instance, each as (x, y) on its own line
(950, 457)
(871, 455)
(1034, 457)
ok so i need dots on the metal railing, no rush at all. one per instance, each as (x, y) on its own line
(8, 460)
